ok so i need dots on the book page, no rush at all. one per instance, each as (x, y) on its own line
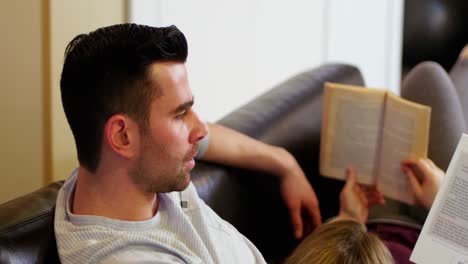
(405, 135)
(444, 237)
(351, 125)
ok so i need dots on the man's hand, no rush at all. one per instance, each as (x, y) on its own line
(425, 179)
(355, 199)
(301, 201)
(232, 148)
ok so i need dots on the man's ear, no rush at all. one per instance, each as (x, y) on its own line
(121, 135)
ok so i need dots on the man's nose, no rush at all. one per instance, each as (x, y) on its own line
(200, 129)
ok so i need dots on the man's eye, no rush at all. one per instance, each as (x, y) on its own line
(181, 115)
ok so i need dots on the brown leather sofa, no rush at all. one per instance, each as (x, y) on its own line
(288, 115)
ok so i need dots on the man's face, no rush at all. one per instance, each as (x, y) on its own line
(170, 141)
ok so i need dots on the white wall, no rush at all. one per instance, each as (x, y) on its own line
(368, 34)
(68, 19)
(239, 49)
(35, 34)
(21, 89)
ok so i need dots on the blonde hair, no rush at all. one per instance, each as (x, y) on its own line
(341, 242)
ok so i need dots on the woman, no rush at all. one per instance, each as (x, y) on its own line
(346, 239)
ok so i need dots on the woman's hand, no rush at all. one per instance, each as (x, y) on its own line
(355, 199)
(425, 179)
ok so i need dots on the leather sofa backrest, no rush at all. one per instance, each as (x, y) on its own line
(27, 227)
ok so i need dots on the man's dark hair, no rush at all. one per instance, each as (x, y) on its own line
(106, 73)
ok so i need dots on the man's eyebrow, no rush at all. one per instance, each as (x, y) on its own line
(184, 106)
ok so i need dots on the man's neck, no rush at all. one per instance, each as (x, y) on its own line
(112, 196)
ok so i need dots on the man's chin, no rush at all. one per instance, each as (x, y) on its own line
(184, 183)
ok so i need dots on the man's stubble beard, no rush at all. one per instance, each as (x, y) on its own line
(151, 179)
(155, 180)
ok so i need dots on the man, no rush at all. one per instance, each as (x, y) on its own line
(128, 102)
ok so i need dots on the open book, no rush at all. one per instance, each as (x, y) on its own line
(444, 237)
(373, 131)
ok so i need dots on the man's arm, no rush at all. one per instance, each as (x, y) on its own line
(232, 148)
